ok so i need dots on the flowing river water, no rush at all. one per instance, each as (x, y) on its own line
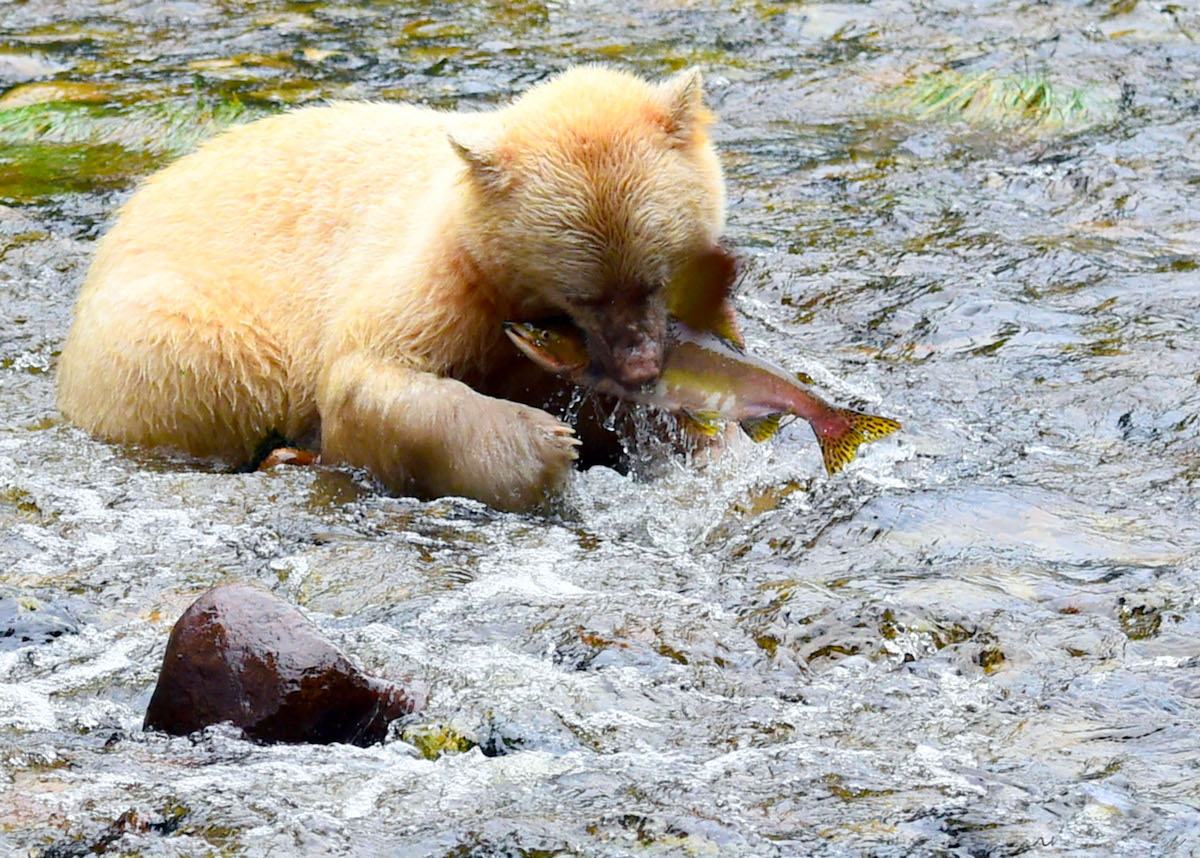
(981, 217)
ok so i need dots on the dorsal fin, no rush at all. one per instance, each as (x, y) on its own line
(698, 294)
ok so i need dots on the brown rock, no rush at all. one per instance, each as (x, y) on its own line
(242, 655)
(54, 91)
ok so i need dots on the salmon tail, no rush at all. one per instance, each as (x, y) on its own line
(852, 428)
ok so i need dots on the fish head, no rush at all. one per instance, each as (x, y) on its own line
(558, 348)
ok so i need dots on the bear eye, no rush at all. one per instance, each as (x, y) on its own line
(594, 303)
(647, 291)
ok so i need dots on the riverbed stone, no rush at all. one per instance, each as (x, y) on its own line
(240, 654)
(27, 621)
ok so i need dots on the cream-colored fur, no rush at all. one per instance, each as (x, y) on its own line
(339, 275)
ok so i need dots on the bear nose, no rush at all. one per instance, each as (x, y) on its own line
(638, 365)
(637, 375)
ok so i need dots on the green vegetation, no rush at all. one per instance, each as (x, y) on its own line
(991, 660)
(434, 740)
(833, 783)
(1139, 622)
(1026, 103)
(57, 147)
(23, 504)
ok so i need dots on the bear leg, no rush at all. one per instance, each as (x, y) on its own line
(153, 360)
(428, 436)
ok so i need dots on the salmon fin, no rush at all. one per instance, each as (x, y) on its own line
(727, 328)
(698, 294)
(838, 449)
(707, 423)
(761, 428)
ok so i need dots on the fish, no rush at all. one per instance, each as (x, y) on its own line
(709, 379)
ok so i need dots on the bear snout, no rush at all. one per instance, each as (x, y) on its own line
(628, 342)
(639, 365)
(632, 363)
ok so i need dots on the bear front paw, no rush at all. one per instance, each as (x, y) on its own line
(526, 459)
(553, 446)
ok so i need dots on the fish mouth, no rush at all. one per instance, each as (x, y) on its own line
(553, 350)
(562, 348)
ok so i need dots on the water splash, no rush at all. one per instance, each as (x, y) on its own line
(979, 639)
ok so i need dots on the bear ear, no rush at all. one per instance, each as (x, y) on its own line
(683, 97)
(481, 155)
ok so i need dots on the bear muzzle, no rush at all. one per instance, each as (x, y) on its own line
(626, 337)
(632, 362)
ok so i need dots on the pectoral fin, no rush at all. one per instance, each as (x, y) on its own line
(707, 423)
(761, 428)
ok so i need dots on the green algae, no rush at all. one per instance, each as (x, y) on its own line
(168, 127)
(1031, 104)
(834, 783)
(435, 740)
(24, 506)
(60, 147)
(1139, 622)
(30, 172)
(487, 850)
(991, 660)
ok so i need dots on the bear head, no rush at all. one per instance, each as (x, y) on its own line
(590, 192)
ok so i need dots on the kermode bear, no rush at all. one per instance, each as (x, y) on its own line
(339, 276)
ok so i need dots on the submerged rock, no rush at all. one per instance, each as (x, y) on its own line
(242, 655)
(26, 621)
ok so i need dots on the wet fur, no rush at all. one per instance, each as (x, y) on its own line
(339, 275)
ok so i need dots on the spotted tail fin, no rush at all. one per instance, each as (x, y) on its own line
(839, 446)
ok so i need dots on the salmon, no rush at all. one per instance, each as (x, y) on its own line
(709, 379)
